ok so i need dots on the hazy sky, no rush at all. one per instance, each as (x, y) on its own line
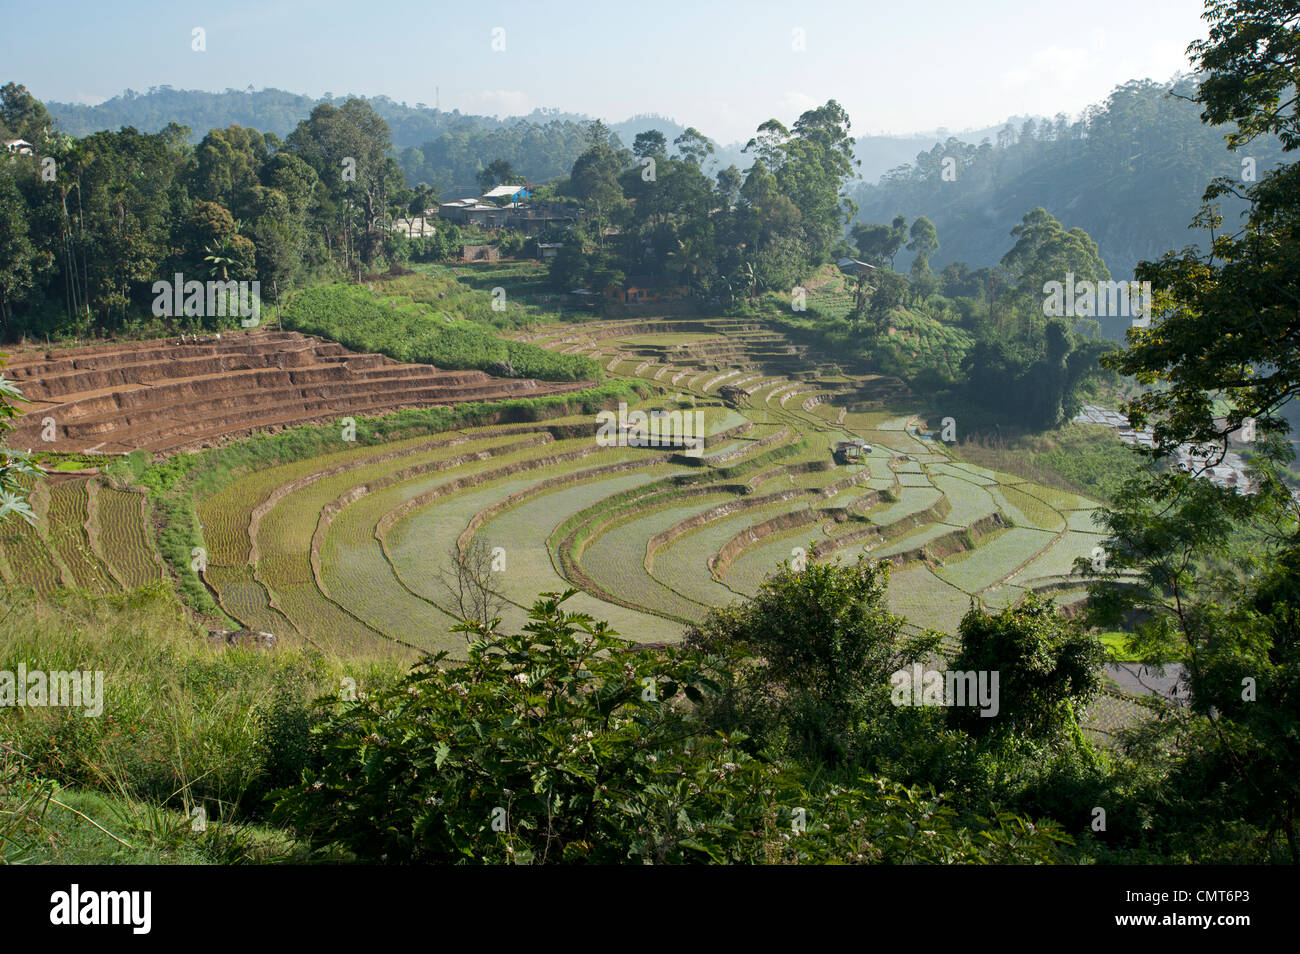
(721, 66)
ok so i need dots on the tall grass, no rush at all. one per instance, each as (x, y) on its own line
(427, 333)
(184, 723)
(460, 291)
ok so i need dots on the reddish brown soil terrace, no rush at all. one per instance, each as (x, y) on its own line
(163, 395)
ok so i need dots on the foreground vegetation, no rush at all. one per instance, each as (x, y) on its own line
(560, 742)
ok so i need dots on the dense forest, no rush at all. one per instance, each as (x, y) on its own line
(90, 224)
(1130, 172)
(443, 148)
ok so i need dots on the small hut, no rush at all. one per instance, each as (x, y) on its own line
(732, 395)
(851, 452)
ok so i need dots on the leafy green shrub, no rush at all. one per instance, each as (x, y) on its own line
(424, 333)
(823, 645)
(566, 744)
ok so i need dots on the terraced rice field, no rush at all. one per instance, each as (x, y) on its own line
(359, 543)
(87, 536)
(118, 532)
(352, 550)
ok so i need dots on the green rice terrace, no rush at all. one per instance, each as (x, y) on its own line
(349, 550)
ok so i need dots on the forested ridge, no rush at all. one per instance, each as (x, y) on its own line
(444, 147)
(1129, 172)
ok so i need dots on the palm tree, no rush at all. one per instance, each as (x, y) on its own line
(218, 260)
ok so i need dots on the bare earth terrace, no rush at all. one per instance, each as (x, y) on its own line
(163, 395)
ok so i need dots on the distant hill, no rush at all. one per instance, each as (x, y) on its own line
(880, 154)
(450, 146)
(267, 110)
(1131, 174)
(541, 145)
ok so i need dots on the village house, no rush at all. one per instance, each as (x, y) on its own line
(851, 266)
(486, 212)
(512, 192)
(473, 212)
(538, 216)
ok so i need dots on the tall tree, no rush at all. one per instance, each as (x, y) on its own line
(649, 143)
(878, 244)
(497, 172)
(1227, 326)
(22, 262)
(1227, 318)
(693, 146)
(348, 147)
(229, 165)
(24, 115)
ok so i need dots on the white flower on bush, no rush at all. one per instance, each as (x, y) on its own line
(521, 678)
